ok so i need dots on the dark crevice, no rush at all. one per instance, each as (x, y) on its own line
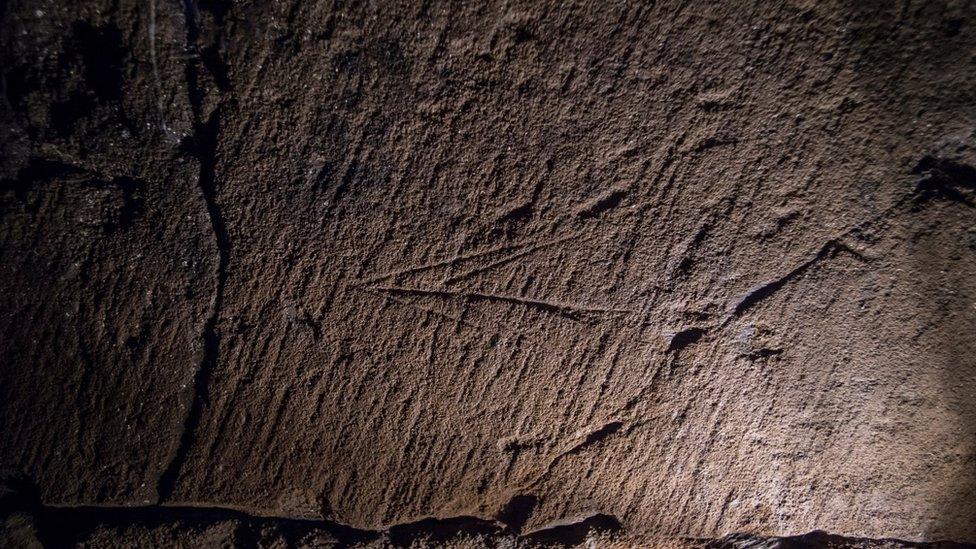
(441, 530)
(574, 533)
(132, 207)
(39, 170)
(684, 338)
(103, 57)
(517, 512)
(944, 179)
(74, 525)
(211, 51)
(131, 204)
(521, 212)
(203, 146)
(815, 540)
(599, 435)
(70, 526)
(18, 493)
(764, 353)
(98, 55)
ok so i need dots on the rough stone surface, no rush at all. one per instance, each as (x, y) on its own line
(693, 268)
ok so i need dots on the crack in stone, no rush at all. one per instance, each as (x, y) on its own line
(64, 525)
(74, 524)
(202, 146)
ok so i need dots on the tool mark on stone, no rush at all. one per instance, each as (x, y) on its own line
(442, 263)
(596, 436)
(941, 178)
(713, 142)
(509, 258)
(568, 310)
(962, 175)
(607, 200)
(444, 315)
(88, 367)
(593, 437)
(523, 210)
(764, 352)
(513, 447)
(766, 289)
(521, 249)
